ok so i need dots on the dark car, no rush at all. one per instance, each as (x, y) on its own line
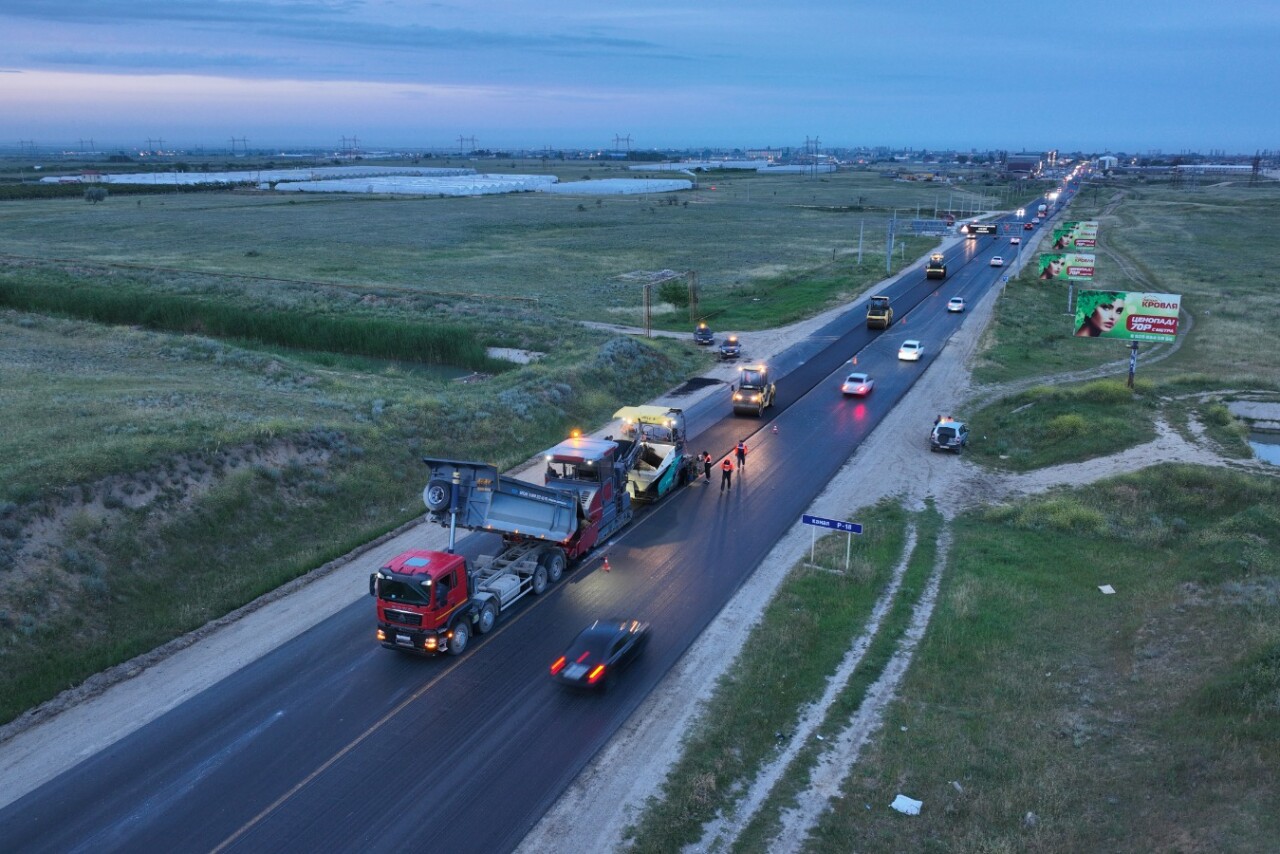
(1028, 226)
(599, 652)
(730, 348)
(703, 335)
(949, 435)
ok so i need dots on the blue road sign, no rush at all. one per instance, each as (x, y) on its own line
(833, 524)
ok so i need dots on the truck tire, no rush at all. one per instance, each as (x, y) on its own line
(540, 581)
(554, 562)
(461, 636)
(487, 618)
(436, 495)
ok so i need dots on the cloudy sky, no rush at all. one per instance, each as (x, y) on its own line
(1133, 75)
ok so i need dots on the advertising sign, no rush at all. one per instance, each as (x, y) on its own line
(1066, 266)
(981, 228)
(1076, 235)
(1127, 316)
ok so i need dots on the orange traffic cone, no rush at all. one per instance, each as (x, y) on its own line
(606, 564)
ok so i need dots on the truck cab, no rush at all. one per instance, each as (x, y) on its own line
(879, 313)
(754, 393)
(420, 596)
(937, 266)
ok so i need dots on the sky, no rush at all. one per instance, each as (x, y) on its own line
(1135, 76)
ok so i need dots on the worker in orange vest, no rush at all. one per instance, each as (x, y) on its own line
(741, 451)
(726, 474)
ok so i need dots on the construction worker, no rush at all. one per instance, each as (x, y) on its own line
(741, 452)
(726, 474)
(705, 456)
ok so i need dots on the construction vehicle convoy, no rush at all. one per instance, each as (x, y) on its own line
(663, 461)
(937, 266)
(754, 392)
(430, 602)
(879, 313)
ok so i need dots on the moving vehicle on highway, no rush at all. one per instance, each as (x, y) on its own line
(754, 392)
(997, 261)
(910, 351)
(955, 304)
(599, 652)
(429, 602)
(937, 266)
(857, 385)
(1028, 226)
(879, 312)
(1014, 241)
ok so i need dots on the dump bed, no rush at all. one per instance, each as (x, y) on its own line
(488, 501)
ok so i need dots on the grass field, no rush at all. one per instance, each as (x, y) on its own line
(1043, 715)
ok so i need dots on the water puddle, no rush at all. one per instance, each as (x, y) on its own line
(1266, 447)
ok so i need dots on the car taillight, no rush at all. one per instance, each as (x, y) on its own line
(557, 665)
(596, 674)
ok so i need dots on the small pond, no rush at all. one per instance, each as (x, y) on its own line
(1266, 447)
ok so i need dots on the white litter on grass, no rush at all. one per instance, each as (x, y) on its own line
(907, 806)
(1107, 589)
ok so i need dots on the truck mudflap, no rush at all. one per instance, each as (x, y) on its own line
(487, 500)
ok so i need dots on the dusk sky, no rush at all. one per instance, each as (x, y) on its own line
(1133, 76)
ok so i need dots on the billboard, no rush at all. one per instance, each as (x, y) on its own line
(1066, 266)
(1076, 235)
(1127, 316)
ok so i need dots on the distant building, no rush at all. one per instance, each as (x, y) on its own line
(1107, 161)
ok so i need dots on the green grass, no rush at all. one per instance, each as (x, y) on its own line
(1146, 720)
(818, 612)
(760, 832)
(1051, 425)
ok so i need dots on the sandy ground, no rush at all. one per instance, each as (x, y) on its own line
(113, 704)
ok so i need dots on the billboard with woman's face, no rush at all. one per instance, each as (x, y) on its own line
(1066, 266)
(1127, 316)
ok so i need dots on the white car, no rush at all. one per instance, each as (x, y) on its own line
(911, 351)
(858, 384)
(997, 261)
(1014, 241)
(955, 304)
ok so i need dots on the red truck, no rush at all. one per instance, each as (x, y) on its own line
(430, 602)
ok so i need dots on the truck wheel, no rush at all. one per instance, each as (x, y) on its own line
(461, 635)
(554, 563)
(436, 495)
(487, 619)
(539, 581)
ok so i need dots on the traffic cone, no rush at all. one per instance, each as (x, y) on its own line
(606, 564)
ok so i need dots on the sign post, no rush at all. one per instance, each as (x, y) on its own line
(849, 528)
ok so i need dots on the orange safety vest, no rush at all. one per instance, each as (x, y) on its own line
(726, 465)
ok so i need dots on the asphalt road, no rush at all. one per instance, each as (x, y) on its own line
(333, 743)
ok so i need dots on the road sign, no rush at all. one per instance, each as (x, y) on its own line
(833, 524)
(849, 528)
